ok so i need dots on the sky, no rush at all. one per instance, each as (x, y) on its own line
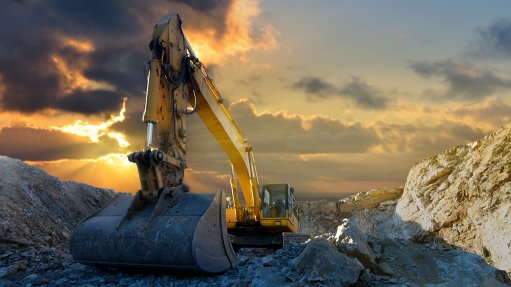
(335, 97)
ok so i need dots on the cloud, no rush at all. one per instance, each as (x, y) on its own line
(52, 47)
(79, 140)
(92, 102)
(493, 41)
(36, 144)
(465, 82)
(492, 110)
(95, 131)
(83, 56)
(419, 140)
(241, 35)
(315, 87)
(283, 133)
(364, 95)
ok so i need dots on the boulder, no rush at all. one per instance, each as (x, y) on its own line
(353, 242)
(320, 262)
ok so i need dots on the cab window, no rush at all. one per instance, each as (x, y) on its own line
(275, 200)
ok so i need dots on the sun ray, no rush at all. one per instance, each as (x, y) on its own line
(95, 131)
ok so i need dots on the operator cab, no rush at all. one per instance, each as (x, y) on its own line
(278, 201)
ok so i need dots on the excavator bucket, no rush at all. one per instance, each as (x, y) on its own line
(179, 231)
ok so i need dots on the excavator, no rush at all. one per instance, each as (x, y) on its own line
(164, 225)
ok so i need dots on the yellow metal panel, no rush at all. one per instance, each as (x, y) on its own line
(287, 224)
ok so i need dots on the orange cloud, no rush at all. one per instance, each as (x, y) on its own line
(238, 37)
(71, 72)
(81, 45)
(95, 131)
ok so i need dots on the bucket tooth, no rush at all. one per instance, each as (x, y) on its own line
(181, 231)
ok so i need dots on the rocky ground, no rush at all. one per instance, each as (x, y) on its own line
(445, 228)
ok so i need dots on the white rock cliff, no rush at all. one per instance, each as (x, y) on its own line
(464, 197)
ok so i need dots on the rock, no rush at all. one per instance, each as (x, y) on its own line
(30, 278)
(6, 283)
(4, 271)
(61, 281)
(464, 196)
(352, 242)
(267, 260)
(320, 260)
(369, 199)
(388, 202)
(21, 265)
(318, 217)
(385, 268)
(471, 270)
(11, 269)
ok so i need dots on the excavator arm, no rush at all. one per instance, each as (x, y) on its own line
(222, 126)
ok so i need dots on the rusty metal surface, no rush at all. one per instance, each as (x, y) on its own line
(190, 234)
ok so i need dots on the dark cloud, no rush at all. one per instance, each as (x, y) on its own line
(465, 82)
(493, 41)
(83, 17)
(27, 143)
(206, 5)
(364, 95)
(315, 87)
(89, 102)
(33, 33)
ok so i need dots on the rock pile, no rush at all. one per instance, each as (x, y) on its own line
(38, 210)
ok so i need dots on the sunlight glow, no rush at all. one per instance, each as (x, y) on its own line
(96, 131)
(237, 39)
(116, 159)
(109, 171)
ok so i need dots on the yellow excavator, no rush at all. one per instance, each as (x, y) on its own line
(163, 225)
